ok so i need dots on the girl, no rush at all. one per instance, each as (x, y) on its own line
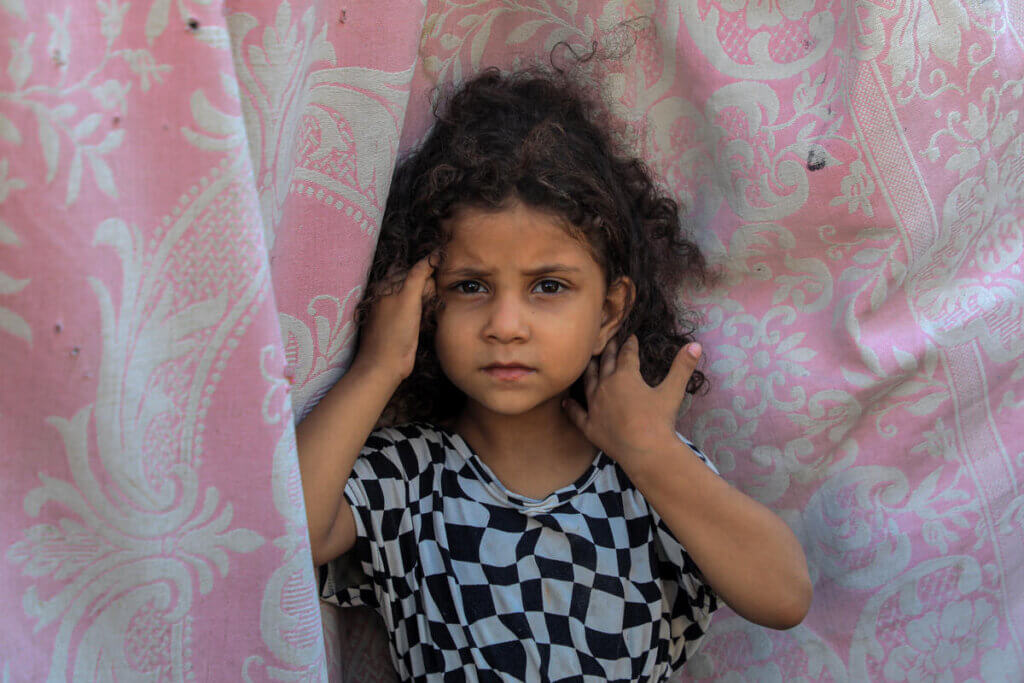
(539, 519)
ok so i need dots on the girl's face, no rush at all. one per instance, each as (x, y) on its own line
(525, 307)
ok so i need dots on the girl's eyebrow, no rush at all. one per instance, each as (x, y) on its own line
(469, 271)
(551, 268)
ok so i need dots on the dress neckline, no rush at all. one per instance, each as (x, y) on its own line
(502, 494)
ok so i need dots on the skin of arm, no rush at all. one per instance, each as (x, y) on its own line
(748, 556)
(332, 435)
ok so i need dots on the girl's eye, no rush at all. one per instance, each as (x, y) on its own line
(549, 287)
(468, 287)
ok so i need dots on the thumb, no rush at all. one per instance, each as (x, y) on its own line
(682, 368)
(577, 415)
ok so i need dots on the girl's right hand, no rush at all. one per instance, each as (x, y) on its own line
(391, 333)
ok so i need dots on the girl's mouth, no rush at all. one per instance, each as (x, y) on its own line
(507, 373)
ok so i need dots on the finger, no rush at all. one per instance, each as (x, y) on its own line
(418, 276)
(608, 358)
(429, 287)
(629, 356)
(576, 414)
(429, 298)
(682, 368)
(422, 268)
(392, 281)
(407, 296)
(590, 378)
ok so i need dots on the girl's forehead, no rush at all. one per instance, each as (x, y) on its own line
(517, 233)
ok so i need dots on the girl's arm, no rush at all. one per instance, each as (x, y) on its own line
(748, 556)
(330, 438)
(329, 441)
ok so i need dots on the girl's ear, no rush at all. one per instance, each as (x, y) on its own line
(617, 303)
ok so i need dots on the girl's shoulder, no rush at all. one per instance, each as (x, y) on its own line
(410, 448)
(405, 432)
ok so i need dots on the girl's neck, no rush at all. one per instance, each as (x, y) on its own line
(534, 453)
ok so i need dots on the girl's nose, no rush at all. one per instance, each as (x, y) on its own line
(506, 320)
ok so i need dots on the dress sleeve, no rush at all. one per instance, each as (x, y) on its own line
(377, 490)
(693, 601)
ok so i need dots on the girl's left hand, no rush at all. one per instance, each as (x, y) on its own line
(625, 416)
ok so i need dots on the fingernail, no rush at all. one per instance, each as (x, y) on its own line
(694, 350)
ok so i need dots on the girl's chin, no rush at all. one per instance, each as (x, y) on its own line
(510, 406)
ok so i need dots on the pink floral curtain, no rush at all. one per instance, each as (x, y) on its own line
(190, 192)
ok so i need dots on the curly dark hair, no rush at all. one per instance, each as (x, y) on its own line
(540, 137)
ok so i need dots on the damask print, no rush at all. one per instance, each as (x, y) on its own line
(306, 147)
(948, 513)
(771, 13)
(916, 387)
(758, 182)
(10, 322)
(90, 142)
(291, 112)
(979, 217)
(740, 133)
(1012, 520)
(274, 407)
(748, 361)
(775, 657)
(313, 366)
(752, 255)
(158, 19)
(848, 519)
(464, 31)
(289, 615)
(14, 7)
(947, 624)
(125, 544)
(764, 39)
(923, 30)
(156, 374)
(939, 643)
(857, 188)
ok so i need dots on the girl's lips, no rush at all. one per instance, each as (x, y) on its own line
(507, 373)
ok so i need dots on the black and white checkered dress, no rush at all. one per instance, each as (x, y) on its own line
(476, 583)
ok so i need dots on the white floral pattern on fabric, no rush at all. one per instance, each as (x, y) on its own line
(940, 642)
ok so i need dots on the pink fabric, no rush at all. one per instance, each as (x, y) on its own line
(189, 197)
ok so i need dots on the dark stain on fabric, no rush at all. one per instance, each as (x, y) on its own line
(816, 159)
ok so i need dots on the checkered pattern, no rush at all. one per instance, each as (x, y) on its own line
(476, 583)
